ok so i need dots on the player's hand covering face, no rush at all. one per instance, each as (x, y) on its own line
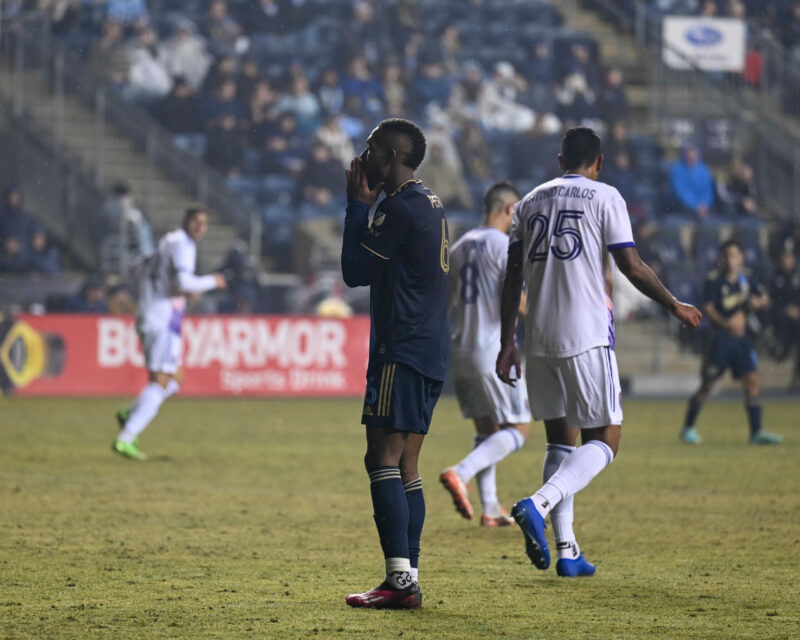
(358, 187)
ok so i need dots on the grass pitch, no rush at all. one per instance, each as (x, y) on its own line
(252, 519)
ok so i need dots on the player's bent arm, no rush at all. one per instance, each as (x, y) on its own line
(512, 294)
(191, 283)
(643, 278)
(717, 319)
(357, 263)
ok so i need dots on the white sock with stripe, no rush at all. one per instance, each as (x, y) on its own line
(486, 479)
(575, 472)
(561, 516)
(492, 450)
(145, 409)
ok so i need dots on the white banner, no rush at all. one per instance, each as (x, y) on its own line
(710, 44)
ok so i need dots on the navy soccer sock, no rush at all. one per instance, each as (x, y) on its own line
(692, 411)
(390, 510)
(754, 416)
(416, 518)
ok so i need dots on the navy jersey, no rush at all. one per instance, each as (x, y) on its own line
(404, 257)
(730, 297)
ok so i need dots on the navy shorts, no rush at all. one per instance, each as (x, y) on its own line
(726, 352)
(399, 397)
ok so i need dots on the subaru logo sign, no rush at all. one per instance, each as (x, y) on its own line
(704, 36)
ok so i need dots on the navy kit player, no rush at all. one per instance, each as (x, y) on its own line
(559, 241)
(501, 413)
(164, 280)
(403, 256)
(730, 294)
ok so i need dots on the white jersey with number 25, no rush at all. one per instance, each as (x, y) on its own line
(566, 226)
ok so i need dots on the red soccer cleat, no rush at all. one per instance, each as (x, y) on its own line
(503, 520)
(458, 490)
(384, 596)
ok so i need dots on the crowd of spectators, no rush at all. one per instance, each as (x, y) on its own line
(25, 247)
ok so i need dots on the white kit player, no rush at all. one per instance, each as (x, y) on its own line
(500, 412)
(560, 236)
(164, 280)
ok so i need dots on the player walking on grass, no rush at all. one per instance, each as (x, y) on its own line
(730, 293)
(403, 256)
(559, 238)
(165, 278)
(500, 412)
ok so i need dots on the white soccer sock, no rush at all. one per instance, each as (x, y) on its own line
(486, 479)
(172, 388)
(145, 409)
(575, 472)
(415, 575)
(562, 514)
(496, 447)
(398, 572)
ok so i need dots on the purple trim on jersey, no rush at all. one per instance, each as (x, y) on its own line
(620, 245)
(612, 333)
(572, 175)
(175, 321)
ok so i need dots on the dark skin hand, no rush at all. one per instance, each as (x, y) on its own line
(357, 185)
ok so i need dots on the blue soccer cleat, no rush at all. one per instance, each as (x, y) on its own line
(762, 436)
(532, 524)
(574, 568)
(689, 435)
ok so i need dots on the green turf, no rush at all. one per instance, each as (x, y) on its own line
(252, 519)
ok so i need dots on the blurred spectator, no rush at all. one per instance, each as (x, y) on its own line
(321, 178)
(222, 70)
(223, 103)
(621, 176)
(576, 98)
(223, 32)
(367, 36)
(89, 299)
(148, 78)
(120, 299)
(126, 12)
(181, 114)
(466, 92)
(302, 103)
(249, 77)
(42, 256)
(432, 84)
(241, 274)
(785, 296)
(15, 222)
(225, 149)
(185, 54)
(13, 257)
(497, 105)
(738, 194)
(692, 182)
(124, 218)
(395, 89)
(109, 57)
(263, 113)
(534, 155)
(332, 136)
(612, 104)
(540, 73)
(285, 147)
(473, 148)
(330, 91)
(618, 141)
(445, 177)
(360, 83)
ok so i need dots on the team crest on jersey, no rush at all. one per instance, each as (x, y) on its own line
(380, 218)
(435, 202)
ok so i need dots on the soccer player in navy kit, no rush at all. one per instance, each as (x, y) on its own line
(730, 294)
(403, 256)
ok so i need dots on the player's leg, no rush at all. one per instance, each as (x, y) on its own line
(688, 431)
(561, 440)
(415, 498)
(751, 388)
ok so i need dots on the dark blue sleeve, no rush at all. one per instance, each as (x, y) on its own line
(358, 264)
(711, 293)
(390, 228)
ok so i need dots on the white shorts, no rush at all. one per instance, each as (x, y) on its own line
(163, 350)
(485, 395)
(584, 388)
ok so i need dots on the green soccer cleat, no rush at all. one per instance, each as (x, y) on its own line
(122, 418)
(766, 437)
(128, 450)
(689, 435)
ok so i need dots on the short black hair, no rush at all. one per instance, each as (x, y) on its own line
(580, 147)
(731, 243)
(193, 212)
(496, 195)
(415, 136)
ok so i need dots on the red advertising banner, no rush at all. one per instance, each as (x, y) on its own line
(222, 355)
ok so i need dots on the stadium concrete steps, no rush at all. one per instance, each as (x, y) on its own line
(122, 161)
